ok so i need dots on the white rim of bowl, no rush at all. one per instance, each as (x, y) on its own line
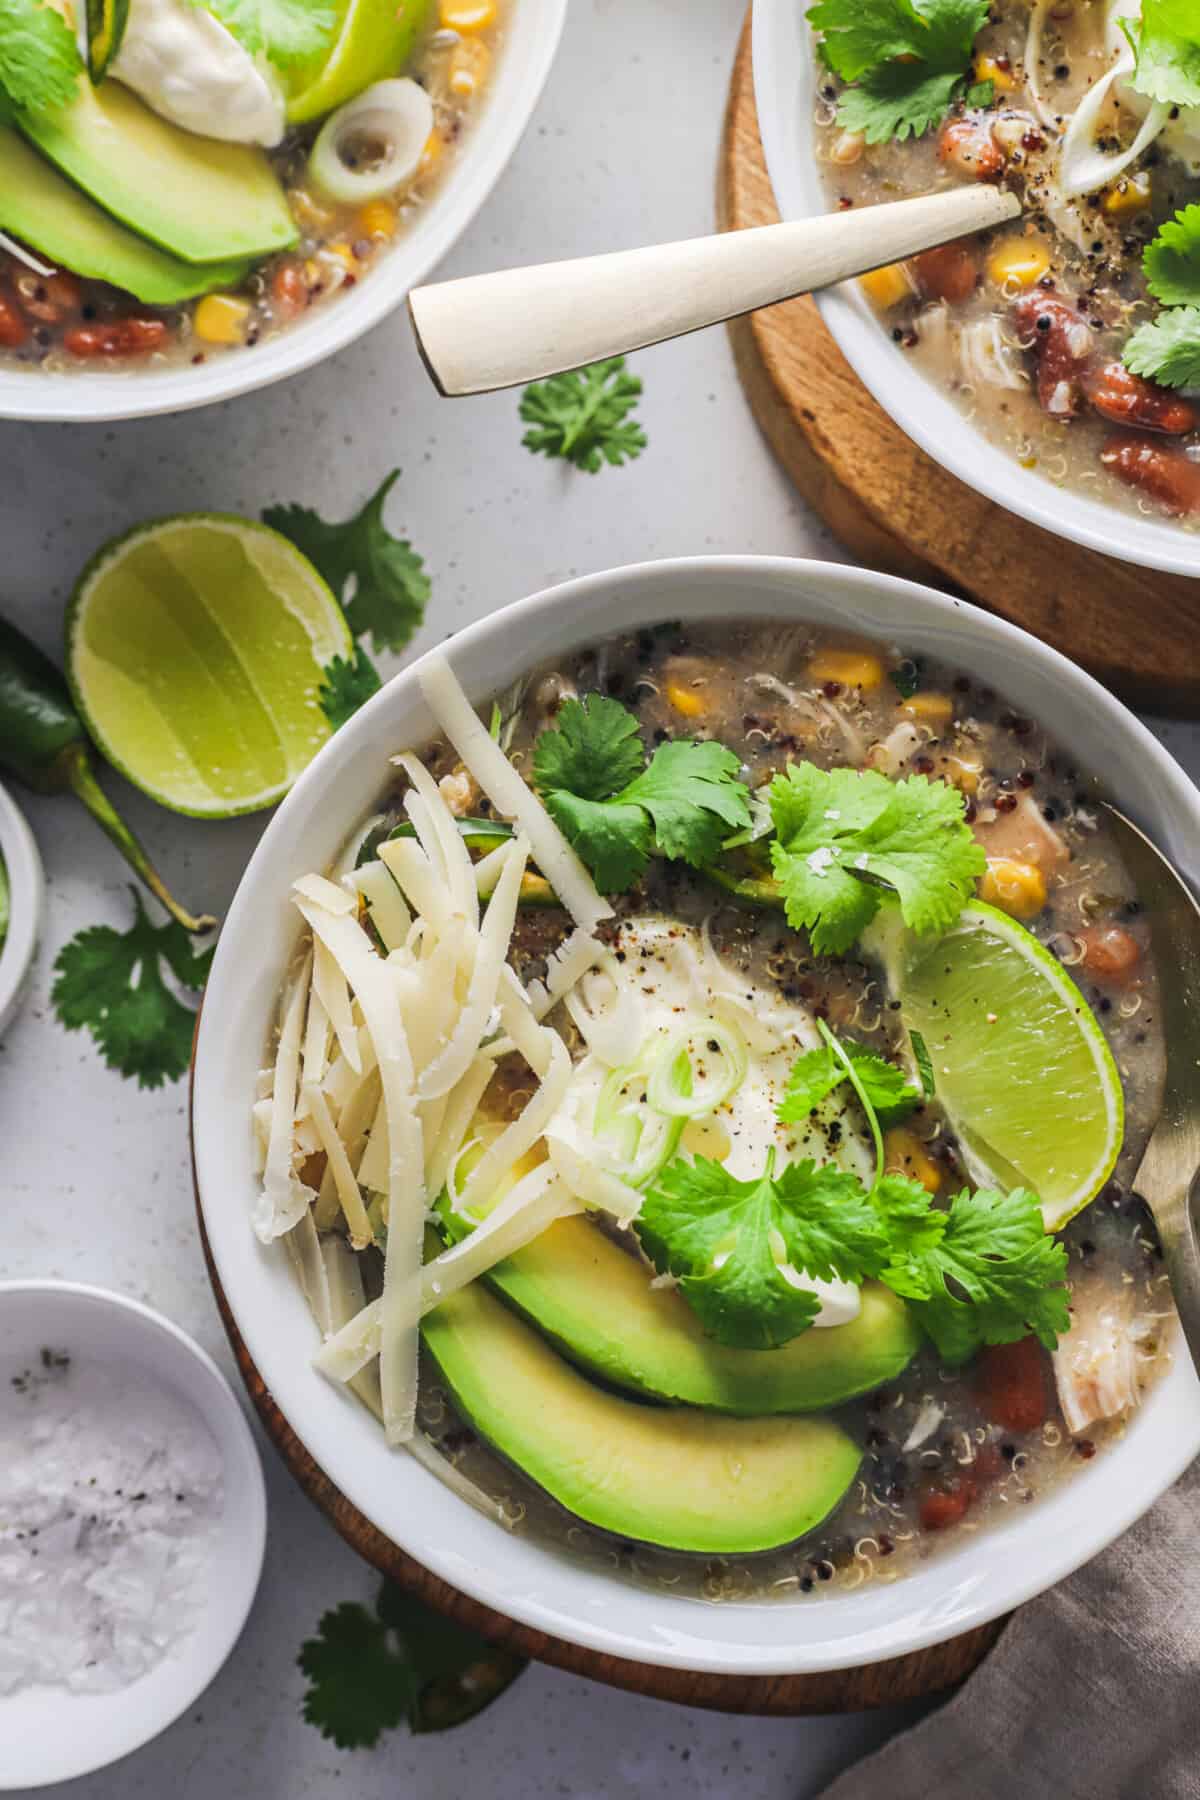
(253, 1522)
(27, 905)
(928, 417)
(77, 397)
(681, 1643)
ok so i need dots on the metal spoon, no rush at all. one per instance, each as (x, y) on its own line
(1167, 1178)
(518, 325)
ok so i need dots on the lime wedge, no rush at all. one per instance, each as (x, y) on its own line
(196, 647)
(1021, 1065)
(374, 39)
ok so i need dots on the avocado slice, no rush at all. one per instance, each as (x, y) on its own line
(595, 1302)
(202, 200)
(674, 1476)
(39, 206)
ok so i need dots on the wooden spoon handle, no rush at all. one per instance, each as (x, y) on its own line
(500, 330)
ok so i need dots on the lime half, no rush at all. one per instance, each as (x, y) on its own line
(374, 39)
(196, 648)
(1021, 1065)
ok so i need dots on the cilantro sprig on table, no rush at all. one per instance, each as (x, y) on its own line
(844, 837)
(616, 809)
(372, 1670)
(907, 61)
(284, 31)
(379, 579)
(113, 985)
(40, 64)
(983, 1271)
(583, 416)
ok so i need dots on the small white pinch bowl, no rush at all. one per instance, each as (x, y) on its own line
(26, 903)
(50, 1734)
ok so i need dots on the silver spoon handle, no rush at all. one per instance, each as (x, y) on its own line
(500, 330)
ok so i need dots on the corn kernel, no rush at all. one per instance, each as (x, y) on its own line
(998, 73)
(467, 15)
(1018, 260)
(431, 155)
(1017, 888)
(888, 286)
(222, 319)
(847, 147)
(1129, 195)
(469, 64)
(343, 254)
(376, 220)
(905, 1154)
(685, 700)
(930, 709)
(962, 772)
(852, 668)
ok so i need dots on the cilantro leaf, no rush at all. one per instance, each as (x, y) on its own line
(40, 64)
(347, 685)
(360, 1684)
(582, 416)
(1172, 259)
(111, 984)
(907, 1214)
(284, 31)
(616, 810)
(818, 1072)
(727, 1241)
(990, 1275)
(843, 833)
(908, 60)
(390, 586)
(594, 749)
(1167, 349)
(371, 1671)
(1166, 44)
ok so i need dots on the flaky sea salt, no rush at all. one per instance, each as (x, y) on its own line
(110, 1496)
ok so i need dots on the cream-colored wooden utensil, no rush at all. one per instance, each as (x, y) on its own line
(501, 330)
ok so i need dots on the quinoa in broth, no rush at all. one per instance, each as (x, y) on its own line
(946, 1450)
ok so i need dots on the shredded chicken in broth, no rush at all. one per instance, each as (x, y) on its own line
(940, 1445)
(1047, 332)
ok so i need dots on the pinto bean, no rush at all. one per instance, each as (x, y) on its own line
(117, 337)
(13, 328)
(966, 145)
(950, 272)
(1109, 953)
(1062, 342)
(1128, 399)
(289, 290)
(1158, 469)
(1010, 1380)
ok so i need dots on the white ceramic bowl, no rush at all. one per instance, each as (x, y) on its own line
(786, 75)
(531, 39)
(27, 906)
(971, 1583)
(48, 1733)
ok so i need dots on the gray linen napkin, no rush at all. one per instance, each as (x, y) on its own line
(1092, 1693)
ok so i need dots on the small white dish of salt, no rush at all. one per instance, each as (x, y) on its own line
(132, 1527)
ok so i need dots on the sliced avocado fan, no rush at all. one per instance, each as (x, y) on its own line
(674, 1476)
(202, 200)
(41, 208)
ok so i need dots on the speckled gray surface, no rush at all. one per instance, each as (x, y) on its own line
(95, 1181)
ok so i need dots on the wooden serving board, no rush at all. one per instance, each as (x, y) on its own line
(914, 1677)
(892, 506)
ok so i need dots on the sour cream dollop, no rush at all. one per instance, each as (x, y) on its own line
(190, 69)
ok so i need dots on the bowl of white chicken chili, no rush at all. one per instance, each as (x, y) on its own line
(666, 1108)
(1052, 363)
(198, 199)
